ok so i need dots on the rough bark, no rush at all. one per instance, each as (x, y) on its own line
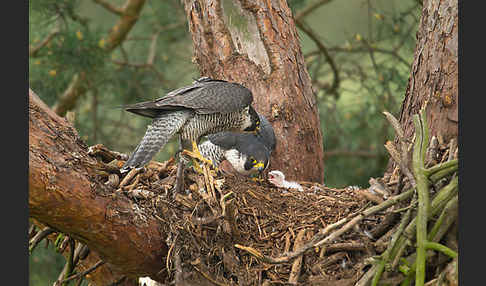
(433, 82)
(65, 194)
(256, 44)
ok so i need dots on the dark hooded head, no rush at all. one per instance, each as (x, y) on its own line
(255, 120)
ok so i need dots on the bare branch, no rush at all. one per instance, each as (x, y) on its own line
(324, 51)
(33, 51)
(307, 10)
(128, 18)
(109, 7)
(69, 98)
(84, 273)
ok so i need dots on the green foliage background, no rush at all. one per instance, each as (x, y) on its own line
(371, 41)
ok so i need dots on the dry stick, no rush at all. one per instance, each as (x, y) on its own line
(68, 267)
(295, 271)
(367, 276)
(403, 157)
(129, 177)
(84, 273)
(31, 230)
(39, 237)
(178, 280)
(320, 238)
(419, 150)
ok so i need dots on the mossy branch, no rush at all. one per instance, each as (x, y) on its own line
(440, 167)
(421, 143)
(386, 255)
(442, 248)
(446, 218)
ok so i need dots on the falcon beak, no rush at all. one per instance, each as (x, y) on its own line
(259, 166)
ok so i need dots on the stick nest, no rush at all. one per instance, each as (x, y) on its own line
(222, 226)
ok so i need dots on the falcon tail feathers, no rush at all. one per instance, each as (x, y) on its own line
(157, 135)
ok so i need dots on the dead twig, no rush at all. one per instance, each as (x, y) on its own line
(297, 264)
(84, 273)
(320, 238)
(39, 237)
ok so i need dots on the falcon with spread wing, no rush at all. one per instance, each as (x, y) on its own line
(205, 107)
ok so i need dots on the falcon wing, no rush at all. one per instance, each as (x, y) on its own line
(204, 96)
(157, 135)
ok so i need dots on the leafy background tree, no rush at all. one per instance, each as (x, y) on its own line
(358, 54)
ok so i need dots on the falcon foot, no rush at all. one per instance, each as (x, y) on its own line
(196, 155)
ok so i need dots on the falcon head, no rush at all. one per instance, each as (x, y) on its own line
(252, 159)
(252, 122)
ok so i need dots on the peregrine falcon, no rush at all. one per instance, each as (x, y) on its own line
(248, 153)
(207, 106)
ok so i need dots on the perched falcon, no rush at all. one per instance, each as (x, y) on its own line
(207, 106)
(248, 153)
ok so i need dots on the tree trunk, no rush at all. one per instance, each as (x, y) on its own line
(65, 194)
(433, 82)
(255, 43)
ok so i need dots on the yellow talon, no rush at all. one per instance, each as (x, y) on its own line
(195, 154)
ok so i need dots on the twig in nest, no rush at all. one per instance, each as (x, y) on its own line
(432, 151)
(320, 238)
(401, 158)
(345, 246)
(167, 260)
(205, 220)
(69, 266)
(296, 266)
(386, 255)
(129, 177)
(178, 269)
(316, 269)
(445, 220)
(31, 231)
(39, 237)
(84, 273)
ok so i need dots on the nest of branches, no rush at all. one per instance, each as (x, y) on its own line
(231, 230)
